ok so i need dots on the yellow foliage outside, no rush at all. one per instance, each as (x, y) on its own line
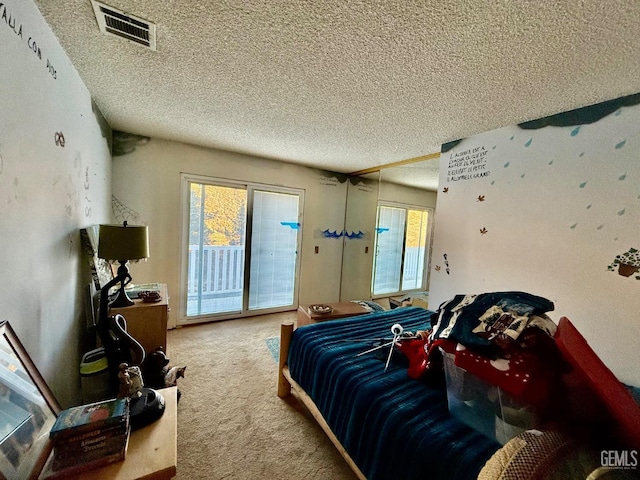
(224, 214)
(416, 228)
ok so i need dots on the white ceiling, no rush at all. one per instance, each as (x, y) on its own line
(349, 85)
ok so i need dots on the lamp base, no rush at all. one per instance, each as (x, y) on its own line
(121, 300)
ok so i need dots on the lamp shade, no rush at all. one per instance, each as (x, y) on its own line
(123, 242)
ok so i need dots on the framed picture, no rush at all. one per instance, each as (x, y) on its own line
(28, 410)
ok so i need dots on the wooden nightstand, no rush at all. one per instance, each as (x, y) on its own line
(147, 322)
(340, 310)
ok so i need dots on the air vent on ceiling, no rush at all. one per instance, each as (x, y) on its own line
(114, 22)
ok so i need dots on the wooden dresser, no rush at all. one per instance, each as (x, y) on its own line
(147, 322)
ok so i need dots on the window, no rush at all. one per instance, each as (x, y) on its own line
(241, 249)
(401, 249)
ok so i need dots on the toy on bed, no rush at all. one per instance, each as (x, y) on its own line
(400, 338)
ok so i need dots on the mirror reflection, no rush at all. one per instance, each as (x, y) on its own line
(406, 205)
(358, 239)
(395, 217)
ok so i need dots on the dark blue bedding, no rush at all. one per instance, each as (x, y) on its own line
(392, 426)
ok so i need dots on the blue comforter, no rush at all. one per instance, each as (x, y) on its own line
(392, 426)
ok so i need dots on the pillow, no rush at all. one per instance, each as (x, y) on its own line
(369, 305)
(549, 455)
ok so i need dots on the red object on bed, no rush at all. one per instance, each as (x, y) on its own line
(617, 399)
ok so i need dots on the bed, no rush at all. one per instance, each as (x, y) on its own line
(388, 425)
(385, 424)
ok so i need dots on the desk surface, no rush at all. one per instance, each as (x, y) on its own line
(152, 451)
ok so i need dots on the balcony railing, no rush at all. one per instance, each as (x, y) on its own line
(220, 270)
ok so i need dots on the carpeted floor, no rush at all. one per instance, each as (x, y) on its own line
(231, 424)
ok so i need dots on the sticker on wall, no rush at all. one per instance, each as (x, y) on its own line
(445, 190)
(331, 179)
(354, 235)
(359, 235)
(292, 225)
(87, 186)
(481, 198)
(583, 115)
(124, 142)
(622, 177)
(483, 231)
(446, 263)
(29, 40)
(123, 213)
(470, 164)
(59, 139)
(71, 239)
(329, 234)
(364, 184)
(627, 263)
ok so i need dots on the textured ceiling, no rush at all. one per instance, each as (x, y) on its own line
(349, 85)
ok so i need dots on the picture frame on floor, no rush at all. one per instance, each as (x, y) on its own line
(28, 410)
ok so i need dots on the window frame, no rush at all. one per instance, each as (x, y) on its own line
(427, 255)
(185, 180)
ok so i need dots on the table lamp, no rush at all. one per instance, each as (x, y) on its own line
(123, 243)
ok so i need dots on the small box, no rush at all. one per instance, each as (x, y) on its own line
(484, 407)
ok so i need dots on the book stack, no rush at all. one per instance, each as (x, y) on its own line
(89, 436)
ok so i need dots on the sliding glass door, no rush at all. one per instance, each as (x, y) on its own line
(242, 244)
(217, 226)
(274, 248)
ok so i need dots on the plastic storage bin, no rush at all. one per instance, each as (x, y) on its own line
(94, 376)
(484, 407)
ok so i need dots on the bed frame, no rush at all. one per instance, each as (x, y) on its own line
(622, 408)
(286, 384)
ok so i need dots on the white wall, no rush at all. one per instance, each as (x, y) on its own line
(49, 189)
(147, 181)
(553, 210)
